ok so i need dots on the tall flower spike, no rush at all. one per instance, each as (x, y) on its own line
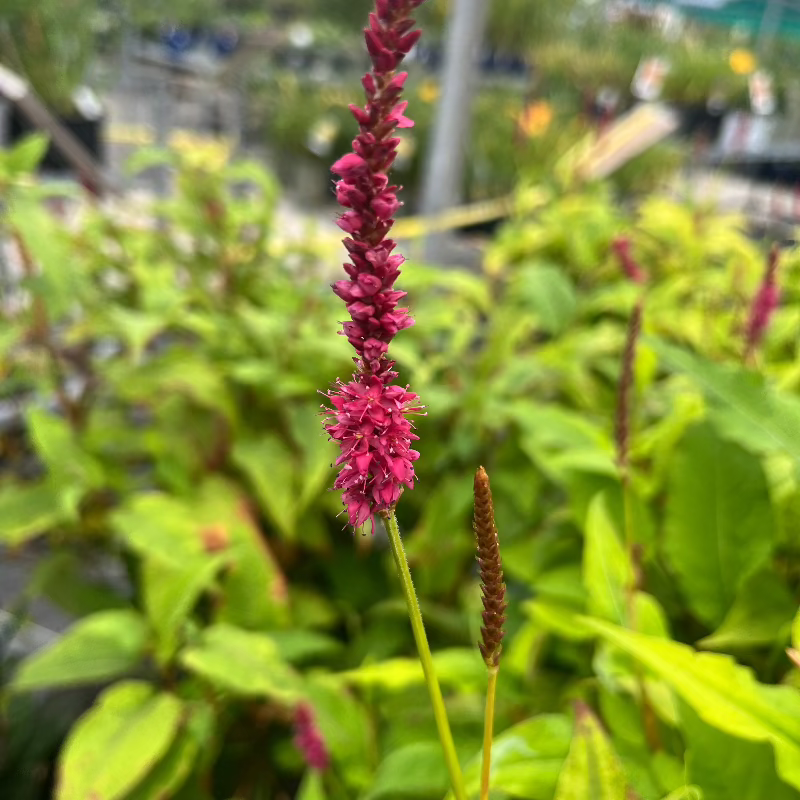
(764, 304)
(491, 570)
(369, 418)
(622, 426)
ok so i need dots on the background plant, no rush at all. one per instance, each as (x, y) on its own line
(169, 471)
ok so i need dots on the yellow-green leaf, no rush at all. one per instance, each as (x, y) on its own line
(116, 743)
(99, 647)
(592, 769)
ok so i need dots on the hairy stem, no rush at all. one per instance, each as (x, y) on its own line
(425, 657)
(488, 729)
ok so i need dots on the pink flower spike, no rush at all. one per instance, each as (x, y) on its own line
(369, 416)
(308, 740)
(765, 302)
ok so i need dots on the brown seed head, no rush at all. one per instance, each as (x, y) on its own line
(625, 391)
(491, 569)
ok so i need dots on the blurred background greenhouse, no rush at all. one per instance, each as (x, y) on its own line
(587, 181)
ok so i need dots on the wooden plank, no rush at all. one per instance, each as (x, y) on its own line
(15, 89)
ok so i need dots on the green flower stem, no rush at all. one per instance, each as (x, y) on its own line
(488, 728)
(415, 615)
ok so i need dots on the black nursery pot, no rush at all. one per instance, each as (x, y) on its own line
(697, 120)
(87, 131)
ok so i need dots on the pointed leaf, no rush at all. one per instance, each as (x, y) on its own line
(318, 452)
(170, 594)
(526, 759)
(268, 464)
(722, 693)
(416, 770)
(686, 793)
(720, 524)
(95, 649)
(592, 768)
(745, 409)
(761, 614)
(724, 767)
(26, 155)
(27, 512)
(607, 571)
(547, 291)
(169, 774)
(311, 787)
(254, 591)
(117, 742)
(243, 663)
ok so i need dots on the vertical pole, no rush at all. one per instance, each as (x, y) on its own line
(770, 24)
(163, 124)
(447, 150)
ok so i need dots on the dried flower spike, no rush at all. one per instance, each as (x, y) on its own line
(625, 390)
(491, 570)
(369, 418)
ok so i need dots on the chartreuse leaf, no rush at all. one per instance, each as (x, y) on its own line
(607, 571)
(66, 459)
(719, 524)
(761, 614)
(649, 774)
(796, 631)
(170, 594)
(743, 406)
(102, 646)
(115, 744)
(345, 726)
(46, 241)
(592, 768)
(526, 759)
(173, 769)
(724, 767)
(686, 793)
(548, 292)
(416, 770)
(189, 540)
(458, 667)
(254, 588)
(268, 464)
(27, 511)
(724, 694)
(557, 440)
(318, 452)
(26, 155)
(311, 787)
(242, 663)
(158, 526)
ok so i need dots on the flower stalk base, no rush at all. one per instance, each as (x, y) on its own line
(425, 657)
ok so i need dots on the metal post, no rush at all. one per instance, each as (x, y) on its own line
(163, 126)
(770, 24)
(447, 151)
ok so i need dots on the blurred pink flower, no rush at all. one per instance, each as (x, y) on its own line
(308, 740)
(621, 247)
(369, 414)
(764, 303)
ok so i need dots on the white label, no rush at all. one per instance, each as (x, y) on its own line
(11, 85)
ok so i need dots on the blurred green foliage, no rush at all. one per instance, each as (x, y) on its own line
(166, 364)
